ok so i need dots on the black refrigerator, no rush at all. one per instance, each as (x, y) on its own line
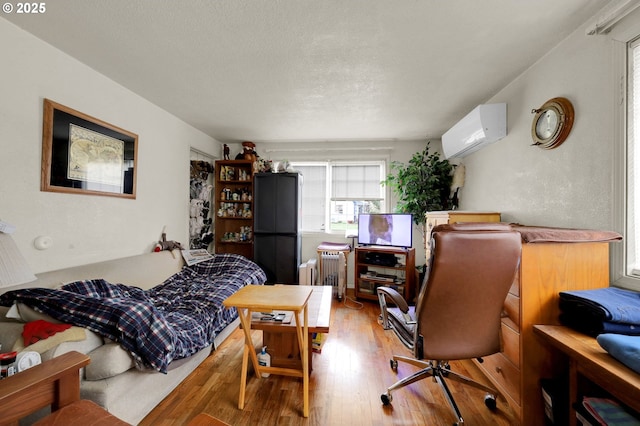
(276, 225)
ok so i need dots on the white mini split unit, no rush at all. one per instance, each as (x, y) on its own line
(484, 125)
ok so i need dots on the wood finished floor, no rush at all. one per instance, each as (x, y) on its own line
(345, 385)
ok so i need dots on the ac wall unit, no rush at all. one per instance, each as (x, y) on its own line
(484, 125)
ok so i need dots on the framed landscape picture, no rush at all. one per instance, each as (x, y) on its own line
(84, 155)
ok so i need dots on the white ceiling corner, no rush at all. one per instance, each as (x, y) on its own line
(309, 70)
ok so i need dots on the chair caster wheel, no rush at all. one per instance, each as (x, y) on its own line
(393, 364)
(490, 402)
(386, 398)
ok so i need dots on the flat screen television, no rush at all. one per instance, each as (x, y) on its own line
(385, 229)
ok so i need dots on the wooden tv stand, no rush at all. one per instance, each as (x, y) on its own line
(385, 266)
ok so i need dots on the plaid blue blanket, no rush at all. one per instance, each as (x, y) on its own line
(170, 321)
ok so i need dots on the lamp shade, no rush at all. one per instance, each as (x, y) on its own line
(13, 266)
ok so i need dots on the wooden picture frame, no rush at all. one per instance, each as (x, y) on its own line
(84, 155)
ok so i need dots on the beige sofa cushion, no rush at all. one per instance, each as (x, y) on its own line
(73, 334)
(108, 360)
(10, 332)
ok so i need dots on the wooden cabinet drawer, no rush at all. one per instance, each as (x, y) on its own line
(504, 373)
(511, 344)
(512, 311)
(515, 286)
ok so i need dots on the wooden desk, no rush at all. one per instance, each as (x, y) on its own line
(588, 359)
(258, 298)
(280, 339)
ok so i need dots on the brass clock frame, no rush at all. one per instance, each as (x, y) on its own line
(564, 110)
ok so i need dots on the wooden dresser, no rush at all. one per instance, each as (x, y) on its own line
(553, 260)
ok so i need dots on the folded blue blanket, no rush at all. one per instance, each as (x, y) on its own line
(625, 349)
(607, 304)
(591, 325)
(620, 328)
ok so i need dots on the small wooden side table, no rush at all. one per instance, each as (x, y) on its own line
(258, 298)
(280, 337)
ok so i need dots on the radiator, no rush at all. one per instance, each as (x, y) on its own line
(307, 272)
(333, 271)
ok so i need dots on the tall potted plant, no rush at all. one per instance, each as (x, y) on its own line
(421, 185)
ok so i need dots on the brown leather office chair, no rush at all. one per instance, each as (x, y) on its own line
(457, 315)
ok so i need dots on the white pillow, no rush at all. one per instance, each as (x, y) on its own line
(107, 361)
(29, 314)
(13, 312)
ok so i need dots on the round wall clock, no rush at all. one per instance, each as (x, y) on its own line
(552, 123)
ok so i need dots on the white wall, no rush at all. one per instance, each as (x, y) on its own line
(570, 186)
(85, 228)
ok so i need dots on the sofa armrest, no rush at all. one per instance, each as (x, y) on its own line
(10, 333)
(55, 382)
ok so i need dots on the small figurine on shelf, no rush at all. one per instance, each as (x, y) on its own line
(249, 151)
(226, 151)
(264, 166)
(231, 173)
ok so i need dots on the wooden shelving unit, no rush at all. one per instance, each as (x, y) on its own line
(234, 207)
(377, 266)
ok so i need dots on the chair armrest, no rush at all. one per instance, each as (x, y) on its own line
(395, 297)
(55, 382)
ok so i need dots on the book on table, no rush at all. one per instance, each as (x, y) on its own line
(272, 317)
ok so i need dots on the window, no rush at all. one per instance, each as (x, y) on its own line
(632, 146)
(626, 256)
(633, 162)
(335, 193)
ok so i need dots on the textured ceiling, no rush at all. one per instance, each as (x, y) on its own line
(310, 70)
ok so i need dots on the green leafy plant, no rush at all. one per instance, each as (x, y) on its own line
(421, 185)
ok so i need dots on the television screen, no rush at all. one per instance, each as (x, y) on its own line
(385, 229)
